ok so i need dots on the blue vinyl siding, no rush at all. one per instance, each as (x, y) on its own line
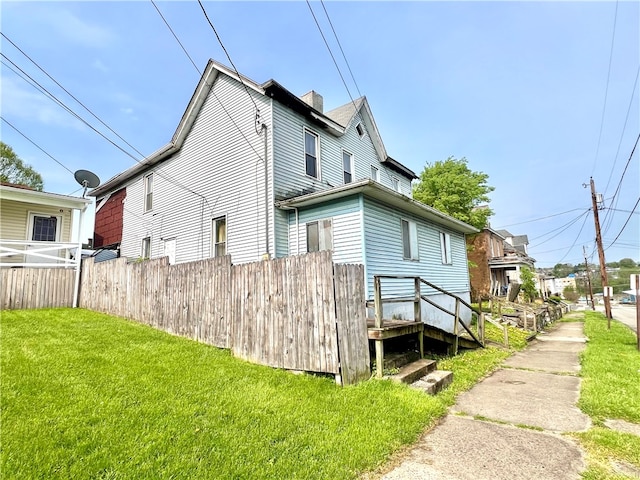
(384, 253)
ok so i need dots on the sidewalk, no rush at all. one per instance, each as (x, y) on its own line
(509, 425)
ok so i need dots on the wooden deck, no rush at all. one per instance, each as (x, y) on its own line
(393, 328)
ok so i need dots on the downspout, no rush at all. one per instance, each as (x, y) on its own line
(267, 254)
(76, 287)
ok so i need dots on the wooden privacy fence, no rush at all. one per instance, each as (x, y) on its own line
(36, 287)
(299, 313)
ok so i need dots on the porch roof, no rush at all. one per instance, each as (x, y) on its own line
(42, 198)
(376, 191)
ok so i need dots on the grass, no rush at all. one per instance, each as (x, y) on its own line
(86, 395)
(610, 389)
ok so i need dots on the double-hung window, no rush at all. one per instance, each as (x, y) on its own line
(146, 247)
(311, 154)
(375, 173)
(219, 237)
(320, 235)
(445, 248)
(409, 240)
(148, 192)
(395, 181)
(347, 167)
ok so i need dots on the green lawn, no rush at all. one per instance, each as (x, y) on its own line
(86, 395)
(610, 389)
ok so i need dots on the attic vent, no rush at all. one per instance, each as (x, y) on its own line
(360, 130)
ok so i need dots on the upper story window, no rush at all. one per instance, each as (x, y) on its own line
(375, 173)
(395, 181)
(219, 237)
(445, 248)
(320, 235)
(148, 192)
(360, 130)
(311, 154)
(409, 240)
(347, 167)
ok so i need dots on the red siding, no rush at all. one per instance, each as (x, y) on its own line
(108, 225)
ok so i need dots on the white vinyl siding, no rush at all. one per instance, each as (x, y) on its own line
(223, 170)
(14, 218)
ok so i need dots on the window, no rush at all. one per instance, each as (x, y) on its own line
(375, 173)
(311, 153)
(319, 235)
(409, 240)
(360, 130)
(219, 237)
(347, 167)
(445, 247)
(146, 247)
(395, 183)
(148, 192)
(44, 229)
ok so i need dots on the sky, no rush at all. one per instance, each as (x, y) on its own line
(540, 96)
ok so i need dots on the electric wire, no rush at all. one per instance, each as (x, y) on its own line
(561, 230)
(228, 56)
(576, 239)
(37, 146)
(331, 53)
(625, 225)
(541, 218)
(606, 90)
(71, 95)
(340, 45)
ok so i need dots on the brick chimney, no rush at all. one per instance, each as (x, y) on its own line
(314, 100)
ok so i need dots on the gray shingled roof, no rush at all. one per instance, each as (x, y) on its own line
(343, 115)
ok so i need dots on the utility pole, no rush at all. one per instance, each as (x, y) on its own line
(603, 266)
(586, 266)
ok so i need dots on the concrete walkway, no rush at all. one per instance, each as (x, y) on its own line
(509, 425)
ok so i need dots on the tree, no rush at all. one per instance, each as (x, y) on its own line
(14, 170)
(561, 270)
(570, 293)
(451, 187)
(528, 287)
(627, 263)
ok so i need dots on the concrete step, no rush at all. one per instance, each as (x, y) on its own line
(434, 381)
(413, 371)
(398, 360)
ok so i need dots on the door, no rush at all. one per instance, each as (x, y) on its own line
(43, 229)
(170, 250)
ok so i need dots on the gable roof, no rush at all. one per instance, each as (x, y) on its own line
(272, 89)
(375, 190)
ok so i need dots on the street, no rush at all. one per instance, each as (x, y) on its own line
(625, 314)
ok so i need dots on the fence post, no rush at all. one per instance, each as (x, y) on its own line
(417, 314)
(481, 326)
(377, 297)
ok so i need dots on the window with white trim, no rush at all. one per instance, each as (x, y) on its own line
(320, 235)
(375, 173)
(219, 237)
(145, 251)
(347, 167)
(148, 192)
(445, 248)
(44, 228)
(360, 130)
(409, 240)
(312, 167)
(395, 182)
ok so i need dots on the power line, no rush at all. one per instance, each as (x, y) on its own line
(330, 53)
(38, 146)
(541, 218)
(574, 242)
(606, 90)
(625, 224)
(228, 56)
(561, 228)
(340, 45)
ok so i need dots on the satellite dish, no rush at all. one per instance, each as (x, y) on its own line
(87, 179)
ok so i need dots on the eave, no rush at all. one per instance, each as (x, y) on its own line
(43, 198)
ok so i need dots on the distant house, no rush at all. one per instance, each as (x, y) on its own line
(255, 172)
(36, 227)
(497, 258)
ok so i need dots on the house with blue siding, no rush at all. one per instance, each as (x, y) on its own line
(256, 172)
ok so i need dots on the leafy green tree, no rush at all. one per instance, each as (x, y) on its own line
(14, 170)
(570, 294)
(561, 270)
(528, 284)
(627, 263)
(451, 187)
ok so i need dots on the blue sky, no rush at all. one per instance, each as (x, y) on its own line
(516, 88)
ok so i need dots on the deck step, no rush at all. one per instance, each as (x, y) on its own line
(434, 381)
(398, 360)
(413, 371)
